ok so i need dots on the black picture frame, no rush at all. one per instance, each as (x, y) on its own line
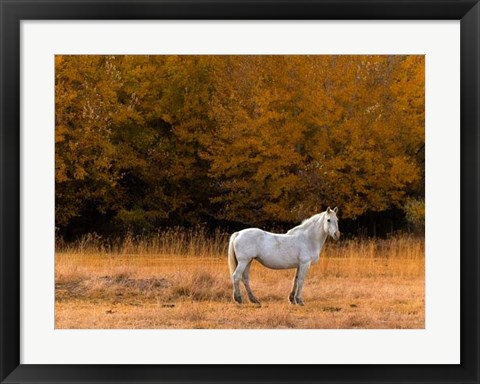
(13, 11)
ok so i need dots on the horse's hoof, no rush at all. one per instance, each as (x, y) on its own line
(299, 302)
(238, 299)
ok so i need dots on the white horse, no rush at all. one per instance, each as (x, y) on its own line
(298, 248)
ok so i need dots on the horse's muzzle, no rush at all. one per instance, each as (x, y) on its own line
(336, 236)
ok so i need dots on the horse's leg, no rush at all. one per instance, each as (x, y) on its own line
(302, 272)
(291, 297)
(237, 276)
(246, 282)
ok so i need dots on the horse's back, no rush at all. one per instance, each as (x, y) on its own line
(249, 235)
(249, 241)
(256, 235)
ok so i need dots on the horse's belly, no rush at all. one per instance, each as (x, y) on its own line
(277, 263)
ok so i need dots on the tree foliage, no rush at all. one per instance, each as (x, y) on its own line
(142, 141)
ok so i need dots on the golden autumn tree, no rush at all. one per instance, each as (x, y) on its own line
(143, 141)
(362, 157)
(297, 133)
(113, 141)
(253, 151)
(85, 106)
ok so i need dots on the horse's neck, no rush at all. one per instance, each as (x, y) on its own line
(317, 235)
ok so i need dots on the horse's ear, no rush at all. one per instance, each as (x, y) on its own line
(328, 210)
(335, 209)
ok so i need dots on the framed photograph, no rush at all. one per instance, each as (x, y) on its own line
(239, 192)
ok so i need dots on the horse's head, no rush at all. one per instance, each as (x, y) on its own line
(330, 223)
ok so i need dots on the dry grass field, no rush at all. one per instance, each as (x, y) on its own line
(180, 280)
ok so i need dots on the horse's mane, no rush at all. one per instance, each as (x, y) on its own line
(307, 223)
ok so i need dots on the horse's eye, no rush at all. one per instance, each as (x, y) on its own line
(328, 220)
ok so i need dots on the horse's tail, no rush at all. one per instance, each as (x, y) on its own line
(232, 259)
